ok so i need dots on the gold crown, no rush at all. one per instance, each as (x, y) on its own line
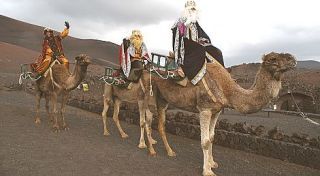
(48, 29)
(136, 33)
(190, 3)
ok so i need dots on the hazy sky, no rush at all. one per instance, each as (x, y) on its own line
(242, 29)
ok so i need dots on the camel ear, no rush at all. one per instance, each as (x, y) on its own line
(269, 58)
(264, 58)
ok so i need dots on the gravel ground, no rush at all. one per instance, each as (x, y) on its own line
(29, 149)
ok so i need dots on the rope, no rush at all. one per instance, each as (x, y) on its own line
(150, 83)
(142, 87)
(213, 98)
(104, 78)
(52, 80)
(303, 115)
(27, 75)
(152, 69)
(115, 81)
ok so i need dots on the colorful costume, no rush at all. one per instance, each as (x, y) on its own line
(51, 50)
(190, 42)
(132, 57)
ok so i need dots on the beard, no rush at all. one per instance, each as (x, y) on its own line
(191, 15)
(137, 43)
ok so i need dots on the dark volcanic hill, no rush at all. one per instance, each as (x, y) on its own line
(12, 56)
(30, 37)
(309, 64)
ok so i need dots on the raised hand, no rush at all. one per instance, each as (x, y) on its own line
(66, 23)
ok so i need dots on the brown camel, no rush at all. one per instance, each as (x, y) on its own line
(219, 90)
(59, 81)
(133, 95)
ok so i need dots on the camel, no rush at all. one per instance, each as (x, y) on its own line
(132, 95)
(59, 81)
(216, 91)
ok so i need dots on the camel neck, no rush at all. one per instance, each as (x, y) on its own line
(77, 76)
(259, 95)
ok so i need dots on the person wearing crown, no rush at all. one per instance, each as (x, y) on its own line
(51, 50)
(189, 40)
(133, 53)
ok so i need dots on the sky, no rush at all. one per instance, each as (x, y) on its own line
(244, 30)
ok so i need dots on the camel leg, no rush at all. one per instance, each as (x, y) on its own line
(47, 97)
(145, 126)
(162, 129)
(142, 142)
(55, 112)
(213, 122)
(148, 126)
(106, 101)
(115, 117)
(63, 110)
(205, 117)
(37, 117)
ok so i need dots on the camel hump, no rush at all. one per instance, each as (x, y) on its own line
(60, 72)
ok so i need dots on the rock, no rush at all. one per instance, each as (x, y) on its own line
(300, 138)
(225, 125)
(259, 131)
(241, 127)
(276, 133)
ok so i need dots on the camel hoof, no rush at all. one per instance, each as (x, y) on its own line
(214, 165)
(123, 136)
(153, 153)
(172, 154)
(37, 121)
(66, 128)
(208, 173)
(106, 133)
(142, 145)
(55, 129)
(153, 141)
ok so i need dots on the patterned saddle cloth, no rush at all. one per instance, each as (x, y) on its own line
(164, 67)
(115, 76)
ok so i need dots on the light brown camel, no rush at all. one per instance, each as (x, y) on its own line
(63, 82)
(133, 95)
(225, 92)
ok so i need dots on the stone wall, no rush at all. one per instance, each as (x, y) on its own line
(297, 148)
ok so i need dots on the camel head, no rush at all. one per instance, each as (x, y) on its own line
(278, 63)
(83, 60)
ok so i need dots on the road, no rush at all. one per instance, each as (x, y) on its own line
(27, 149)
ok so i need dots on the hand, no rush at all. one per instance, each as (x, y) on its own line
(66, 23)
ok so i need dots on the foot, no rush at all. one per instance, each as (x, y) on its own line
(37, 120)
(55, 128)
(213, 164)
(180, 72)
(152, 152)
(106, 133)
(124, 135)
(142, 145)
(153, 141)
(65, 127)
(208, 173)
(172, 153)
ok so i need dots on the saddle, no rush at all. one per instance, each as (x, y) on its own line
(166, 68)
(116, 77)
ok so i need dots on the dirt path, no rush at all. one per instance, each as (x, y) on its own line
(30, 150)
